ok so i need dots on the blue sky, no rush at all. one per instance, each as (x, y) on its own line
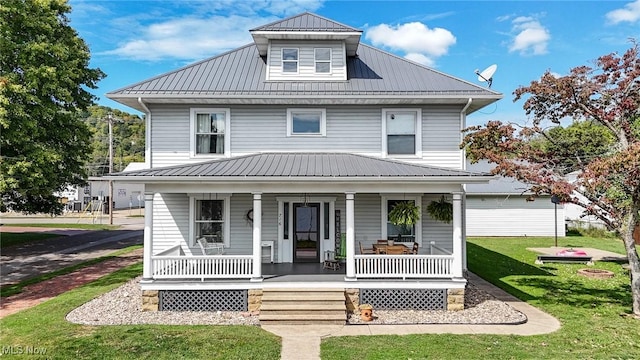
(134, 40)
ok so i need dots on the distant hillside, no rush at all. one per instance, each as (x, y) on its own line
(128, 139)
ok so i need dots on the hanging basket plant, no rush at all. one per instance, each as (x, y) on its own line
(404, 213)
(441, 210)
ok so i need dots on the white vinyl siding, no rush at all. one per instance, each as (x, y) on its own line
(439, 232)
(511, 215)
(170, 221)
(441, 136)
(354, 129)
(306, 61)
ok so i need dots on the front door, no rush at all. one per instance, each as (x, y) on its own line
(306, 232)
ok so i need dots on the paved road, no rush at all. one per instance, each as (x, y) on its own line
(26, 261)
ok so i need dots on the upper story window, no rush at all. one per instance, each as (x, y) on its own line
(289, 60)
(402, 131)
(210, 132)
(322, 60)
(310, 122)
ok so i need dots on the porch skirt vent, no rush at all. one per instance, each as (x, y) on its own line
(405, 299)
(203, 300)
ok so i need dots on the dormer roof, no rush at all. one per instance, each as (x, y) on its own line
(306, 26)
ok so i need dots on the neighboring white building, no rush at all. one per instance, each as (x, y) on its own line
(503, 208)
(299, 140)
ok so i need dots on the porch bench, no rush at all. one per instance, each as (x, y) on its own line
(564, 259)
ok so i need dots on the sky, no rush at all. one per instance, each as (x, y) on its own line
(134, 40)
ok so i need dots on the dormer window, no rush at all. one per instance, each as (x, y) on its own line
(290, 60)
(322, 60)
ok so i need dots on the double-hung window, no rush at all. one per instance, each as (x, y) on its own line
(306, 122)
(402, 131)
(290, 60)
(322, 60)
(210, 128)
(210, 217)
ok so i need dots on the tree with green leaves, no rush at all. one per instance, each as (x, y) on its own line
(602, 144)
(44, 77)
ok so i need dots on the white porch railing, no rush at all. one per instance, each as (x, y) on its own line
(202, 267)
(403, 266)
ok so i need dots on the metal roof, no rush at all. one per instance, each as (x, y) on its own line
(303, 165)
(306, 22)
(240, 74)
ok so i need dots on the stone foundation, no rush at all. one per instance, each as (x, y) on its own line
(150, 300)
(455, 299)
(254, 300)
(352, 299)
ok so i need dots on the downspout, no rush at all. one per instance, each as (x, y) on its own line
(463, 124)
(147, 134)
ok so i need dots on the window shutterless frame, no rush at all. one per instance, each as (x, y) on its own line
(290, 60)
(402, 132)
(322, 59)
(209, 132)
(306, 122)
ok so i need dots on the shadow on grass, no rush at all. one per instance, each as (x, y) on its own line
(493, 266)
(578, 294)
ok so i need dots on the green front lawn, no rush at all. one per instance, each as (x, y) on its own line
(591, 310)
(44, 328)
(69, 226)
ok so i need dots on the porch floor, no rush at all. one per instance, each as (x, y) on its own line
(301, 272)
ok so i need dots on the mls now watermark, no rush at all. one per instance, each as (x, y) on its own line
(23, 350)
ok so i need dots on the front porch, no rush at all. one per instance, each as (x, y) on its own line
(183, 261)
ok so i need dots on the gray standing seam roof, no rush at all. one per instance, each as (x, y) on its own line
(306, 22)
(302, 165)
(241, 72)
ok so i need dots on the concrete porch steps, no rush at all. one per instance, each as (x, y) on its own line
(303, 307)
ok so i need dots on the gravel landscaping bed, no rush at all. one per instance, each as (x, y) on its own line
(123, 306)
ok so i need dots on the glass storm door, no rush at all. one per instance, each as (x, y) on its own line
(306, 232)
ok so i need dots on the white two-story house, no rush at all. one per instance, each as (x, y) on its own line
(293, 149)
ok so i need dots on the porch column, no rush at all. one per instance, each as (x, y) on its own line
(257, 237)
(350, 217)
(457, 235)
(147, 265)
(464, 235)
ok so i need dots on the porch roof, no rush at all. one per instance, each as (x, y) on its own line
(301, 166)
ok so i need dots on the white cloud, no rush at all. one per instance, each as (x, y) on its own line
(630, 13)
(419, 58)
(189, 38)
(202, 32)
(531, 37)
(416, 40)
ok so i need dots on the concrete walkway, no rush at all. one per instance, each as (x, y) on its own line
(303, 342)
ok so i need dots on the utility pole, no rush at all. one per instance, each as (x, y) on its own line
(110, 203)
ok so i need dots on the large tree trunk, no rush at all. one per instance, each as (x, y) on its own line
(634, 263)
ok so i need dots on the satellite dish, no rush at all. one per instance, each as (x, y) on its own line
(487, 74)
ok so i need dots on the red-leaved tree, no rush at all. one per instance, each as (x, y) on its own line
(606, 156)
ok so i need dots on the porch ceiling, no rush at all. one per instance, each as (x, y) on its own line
(303, 168)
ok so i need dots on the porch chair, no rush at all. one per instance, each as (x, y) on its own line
(395, 250)
(364, 250)
(210, 248)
